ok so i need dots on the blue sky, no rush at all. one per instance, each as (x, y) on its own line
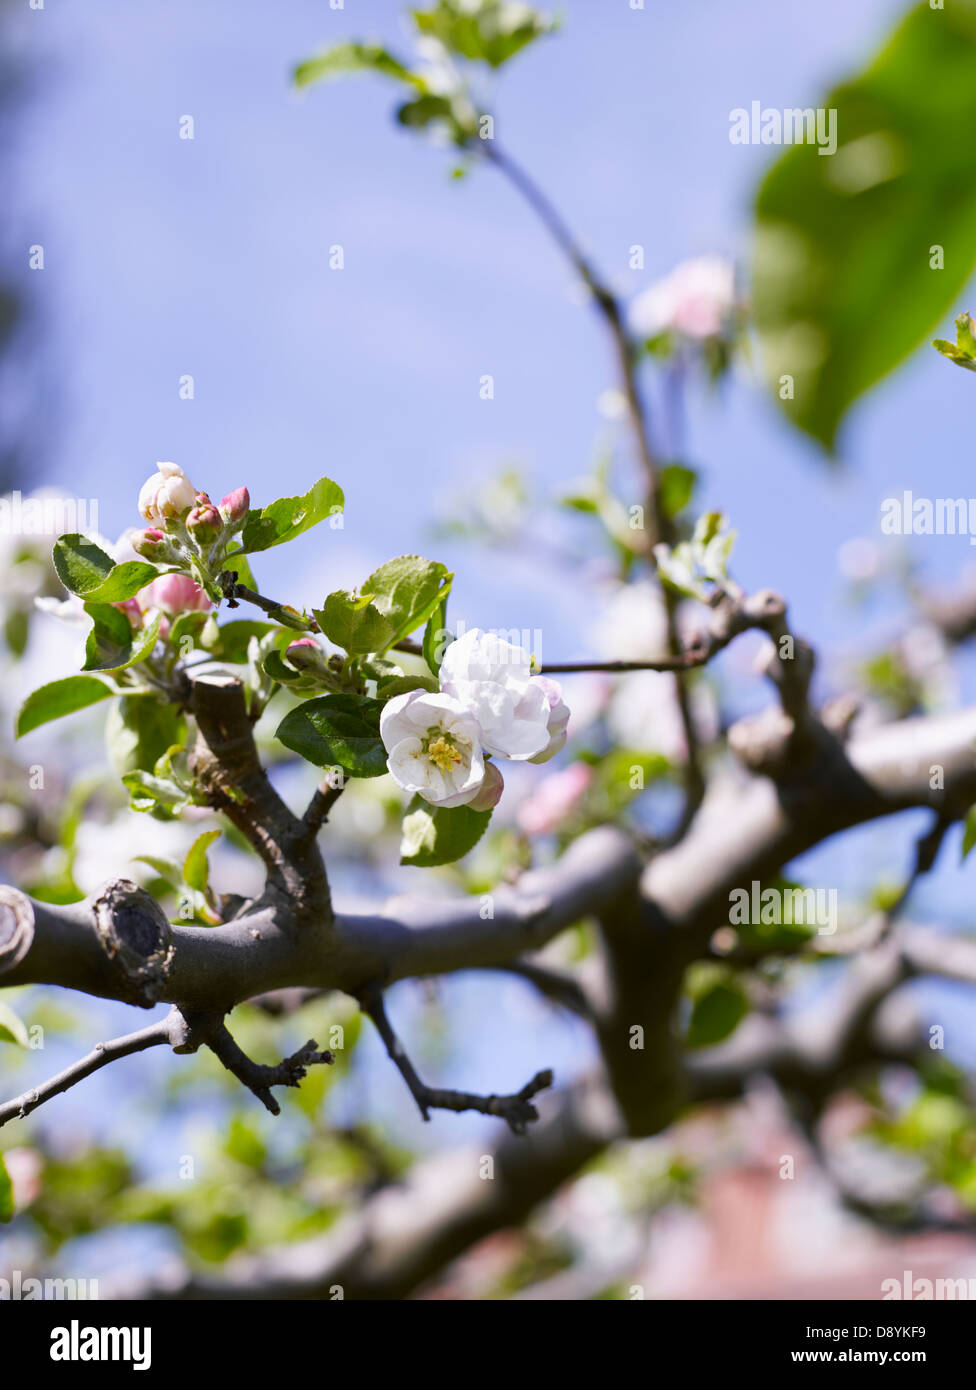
(210, 257)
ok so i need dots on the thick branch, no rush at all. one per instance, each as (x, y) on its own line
(227, 762)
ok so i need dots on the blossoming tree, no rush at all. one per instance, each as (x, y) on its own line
(373, 681)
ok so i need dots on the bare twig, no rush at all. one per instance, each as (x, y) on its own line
(170, 1029)
(257, 1077)
(517, 1110)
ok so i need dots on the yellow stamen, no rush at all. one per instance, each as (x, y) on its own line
(443, 753)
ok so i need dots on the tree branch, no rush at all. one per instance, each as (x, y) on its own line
(171, 1030)
(516, 1110)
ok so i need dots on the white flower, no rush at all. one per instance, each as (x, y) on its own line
(558, 718)
(695, 300)
(168, 493)
(492, 678)
(434, 747)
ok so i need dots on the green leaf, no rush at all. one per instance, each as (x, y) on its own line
(233, 638)
(436, 636)
(420, 111)
(6, 1194)
(81, 564)
(12, 1029)
(407, 590)
(969, 831)
(337, 731)
(434, 835)
(677, 483)
(124, 582)
(166, 869)
(112, 645)
(59, 698)
(139, 730)
(843, 288)
(963, 350)
(354, 623)
(491, 33)
(196, 869)
(345, 58)
(719, 1004)
(402, 685)
(288, 517)
(150, 793)
(110, 640)
(85, 569)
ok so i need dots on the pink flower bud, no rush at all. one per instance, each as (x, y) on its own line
(204, 522)
(490, 791)
(167, 494)
(174, 593)
(305, 654)
(235, 506)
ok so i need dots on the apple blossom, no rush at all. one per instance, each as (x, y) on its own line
(490, 792)
(235, 506)
(306, 655)
(173, 593)
(204, 522)
(153, 544)
(168, 493)
(434, 747)
(558, 718)
(492, 678)
(695, 300)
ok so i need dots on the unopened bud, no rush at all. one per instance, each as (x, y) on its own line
(235, 506)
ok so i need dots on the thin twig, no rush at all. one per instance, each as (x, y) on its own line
(659, 526)
(517, 1110)
(257, 1077)
(153, 1035)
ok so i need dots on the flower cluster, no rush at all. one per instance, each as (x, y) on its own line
(186, 528)
(489, 705)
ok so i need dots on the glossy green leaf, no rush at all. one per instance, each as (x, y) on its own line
(407, 590)
(337, 731)
(85, 569)
(354, 623)
(288, 517)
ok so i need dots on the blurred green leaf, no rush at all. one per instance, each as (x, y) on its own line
(843, 288)
(6, 1194)
(719, 1004)
(12, 1027)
